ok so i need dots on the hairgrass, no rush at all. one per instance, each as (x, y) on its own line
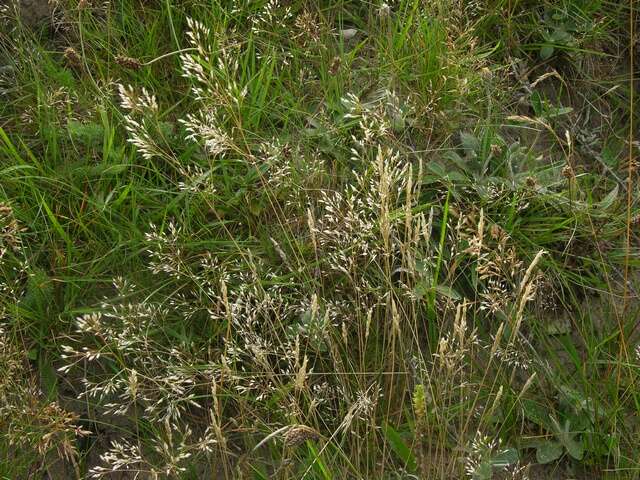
(311, 240)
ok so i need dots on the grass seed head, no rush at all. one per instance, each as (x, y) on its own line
(299, 434)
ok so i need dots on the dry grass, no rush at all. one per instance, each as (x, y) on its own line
(297, 240)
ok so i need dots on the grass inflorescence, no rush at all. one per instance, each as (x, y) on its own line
(342, 239)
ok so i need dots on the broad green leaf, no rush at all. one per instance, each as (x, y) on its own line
(558, 112)
(437, 169)
(574, 447)
(505, 457)
(484, 471)
(469, 142)
(607, 201)
(548, 451)
(421, 289)
(536, 413)
(546, 51)
(399, 447)
(536, 104)
(448, 292)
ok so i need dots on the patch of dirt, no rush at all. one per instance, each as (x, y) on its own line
(32, 12)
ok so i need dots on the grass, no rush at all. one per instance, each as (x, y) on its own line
(319, 240)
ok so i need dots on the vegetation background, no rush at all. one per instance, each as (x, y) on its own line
(337, 239)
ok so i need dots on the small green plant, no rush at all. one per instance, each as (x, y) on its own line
(558, 32)
(572, 431)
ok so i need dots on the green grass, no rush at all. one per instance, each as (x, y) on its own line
(303, 240)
